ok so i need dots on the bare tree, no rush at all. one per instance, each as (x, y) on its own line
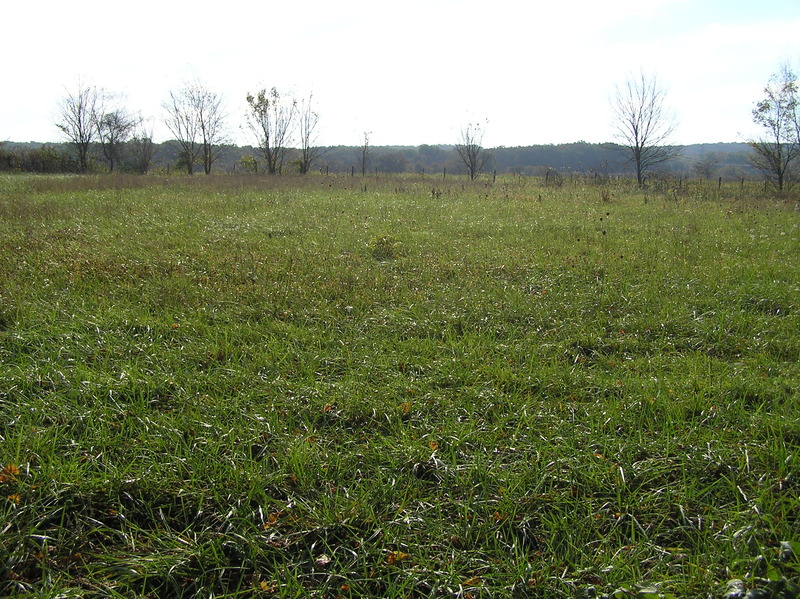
(643, 123)
(270, 119)
(365, 153)
(308, 120)
(196, 119)
(78, 119)
(471, 151)
(211, 121)
(776, 153)
(114, 128)
(181, 120)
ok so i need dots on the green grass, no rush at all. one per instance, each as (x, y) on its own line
(285, 387)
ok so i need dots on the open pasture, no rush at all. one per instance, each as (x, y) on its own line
(396, 387)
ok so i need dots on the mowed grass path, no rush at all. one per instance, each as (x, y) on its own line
(395, 387)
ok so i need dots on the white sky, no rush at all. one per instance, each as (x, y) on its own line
(410, 73)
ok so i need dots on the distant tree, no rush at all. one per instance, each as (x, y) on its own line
(270, 119)
(392, 162)
(196, 119)
(211, 123)
(308, 120)
(643, 123)
(141, 149)
(182, 121)
(79, 113)
(705, 165)
(9, 160)
(470, 151)
(47, 158)
(248, 164)
(775, 153)
(430, 158)
(114, 128)
(365, 153)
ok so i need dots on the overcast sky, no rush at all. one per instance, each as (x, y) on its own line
(412, 72)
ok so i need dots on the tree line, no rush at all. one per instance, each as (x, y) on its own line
(704, 161)
(102, 134)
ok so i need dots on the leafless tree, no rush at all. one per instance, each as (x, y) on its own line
(776, 153)
(182, 122)
(211, 121)
(196, 119)
(643, 123)
(471, 151)
(308, 120)
(365, 153)
(114, 128)
(270, 119)
(79, 113)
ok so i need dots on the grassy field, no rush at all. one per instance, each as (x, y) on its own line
(397, 387)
